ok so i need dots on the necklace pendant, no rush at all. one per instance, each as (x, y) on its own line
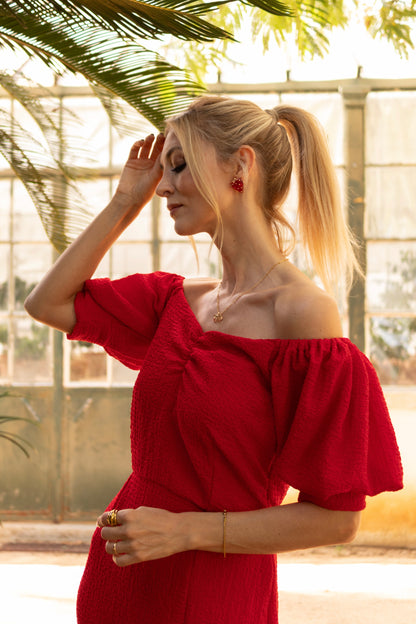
(218, 317)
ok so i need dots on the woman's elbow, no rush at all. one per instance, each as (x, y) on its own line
(32, 307)
(61, 317)
(347, 526)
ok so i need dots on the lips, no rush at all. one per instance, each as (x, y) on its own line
(173, 206)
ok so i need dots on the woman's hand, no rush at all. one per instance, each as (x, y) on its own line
(142, 171)
(143, 534)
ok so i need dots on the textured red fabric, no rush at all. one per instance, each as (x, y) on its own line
(225, 422)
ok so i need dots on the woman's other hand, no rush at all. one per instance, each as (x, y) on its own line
(144, 534)
(142, 172)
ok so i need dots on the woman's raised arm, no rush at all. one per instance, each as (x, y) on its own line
(52, 300)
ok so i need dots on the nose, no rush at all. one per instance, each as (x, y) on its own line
(164, 188)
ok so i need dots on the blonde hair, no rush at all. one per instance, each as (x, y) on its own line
(283, 138)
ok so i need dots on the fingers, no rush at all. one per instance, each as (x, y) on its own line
(135, 149)
(148, 148)
(157, 147)
(140, 535)
(110, 518)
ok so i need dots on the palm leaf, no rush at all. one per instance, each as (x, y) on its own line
(128, 18)
(14, 438)
(152, 86)
(123, 117)
(133, 18)
(309, 20)
(57, 201)
(46, 112)
(281, 9)
(17, 441)
(6, 419)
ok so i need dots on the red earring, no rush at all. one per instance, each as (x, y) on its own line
(237, 184)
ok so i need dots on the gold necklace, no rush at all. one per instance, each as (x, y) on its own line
(219, 316)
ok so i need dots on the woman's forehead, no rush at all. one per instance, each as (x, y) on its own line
(170, 145)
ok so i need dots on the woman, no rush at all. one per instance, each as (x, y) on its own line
(246, 385)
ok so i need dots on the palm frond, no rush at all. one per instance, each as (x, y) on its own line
(60, 206)
(132, 18)
(14, 438)
(6, 419)
(151, 85)
(393, 20)
(46, 111)
(17, 441)
(309, 20)
(281, 9)
(123, 117)
(128, 18)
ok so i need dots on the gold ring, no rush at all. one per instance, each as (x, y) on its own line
(112, 517)
(115, 548)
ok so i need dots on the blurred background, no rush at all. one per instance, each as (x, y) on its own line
(72, 100)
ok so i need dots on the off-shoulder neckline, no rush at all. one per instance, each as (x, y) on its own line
(224, 335)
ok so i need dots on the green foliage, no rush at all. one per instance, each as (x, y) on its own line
(401, 292)
(393, 344)
(393, 20)
(21, 291)
(32, 347)
(10, 436)
(311, 22)
(4, 335)
(198, 57)
(307, 27)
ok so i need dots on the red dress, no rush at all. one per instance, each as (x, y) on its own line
(225, 422)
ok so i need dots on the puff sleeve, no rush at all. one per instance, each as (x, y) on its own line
(335, 440)
(122, 315)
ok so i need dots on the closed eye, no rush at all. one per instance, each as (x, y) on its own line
(179, 168)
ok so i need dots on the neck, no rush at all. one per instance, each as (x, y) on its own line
(249, 250)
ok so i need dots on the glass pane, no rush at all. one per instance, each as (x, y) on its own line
(4, 338)
(393, 349)
(32, 352)
(28, 123)
(180, 258)
(4, 276)
(166, 224)
(95, 193)
(329, 109)
(3, 162)
(391, 202)
(391, 128)
(136, 128)
(391, 277)
(27, 225)
(103, 269)
(128, 258)
(86, 118)
(122, 376)
(31, 262)
(88, 363)
(4, 209)
(141, 228)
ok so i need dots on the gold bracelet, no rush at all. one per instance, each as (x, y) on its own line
(224, 531)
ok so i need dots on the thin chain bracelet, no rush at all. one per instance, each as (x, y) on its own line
(224, 531)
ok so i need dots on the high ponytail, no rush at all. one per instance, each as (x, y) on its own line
(323, 231)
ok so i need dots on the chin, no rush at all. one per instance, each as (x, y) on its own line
(184, 229)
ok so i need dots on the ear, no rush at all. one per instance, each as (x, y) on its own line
(245, 158)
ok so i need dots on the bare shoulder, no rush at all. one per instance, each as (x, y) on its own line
(198, 285)
(305, 311)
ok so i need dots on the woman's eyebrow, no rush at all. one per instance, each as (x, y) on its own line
(169, 153)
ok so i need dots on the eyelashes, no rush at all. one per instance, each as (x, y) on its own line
(179, 168)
